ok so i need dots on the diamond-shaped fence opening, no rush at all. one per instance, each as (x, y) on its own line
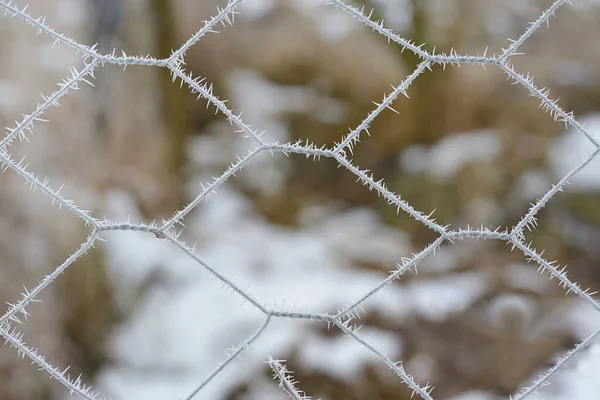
(341, 152)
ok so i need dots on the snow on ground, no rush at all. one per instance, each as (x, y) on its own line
(455, 151)
(476, 395)
(186, 324)
(344, 358)
(180, 330)
(452, 153)
(532, 185)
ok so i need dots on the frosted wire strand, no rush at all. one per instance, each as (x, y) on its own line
(386, 103)
(30, 296)
(423, 392)
(224, 14)
(46, 189)
(52, 100)
(282, 374)
(231, 357)
(562, 362)
(211, 188)
(550, 105)
(15, 340)
(545, 17)
(535, 208)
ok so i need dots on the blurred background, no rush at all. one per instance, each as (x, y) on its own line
(140, 320)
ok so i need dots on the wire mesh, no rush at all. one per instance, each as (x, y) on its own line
(341, 152)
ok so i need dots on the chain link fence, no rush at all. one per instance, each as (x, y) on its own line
(341, 153)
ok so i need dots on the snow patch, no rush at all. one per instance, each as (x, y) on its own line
(452, 153)
(186, 321)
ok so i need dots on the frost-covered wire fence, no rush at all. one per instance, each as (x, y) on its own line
(340, 152)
